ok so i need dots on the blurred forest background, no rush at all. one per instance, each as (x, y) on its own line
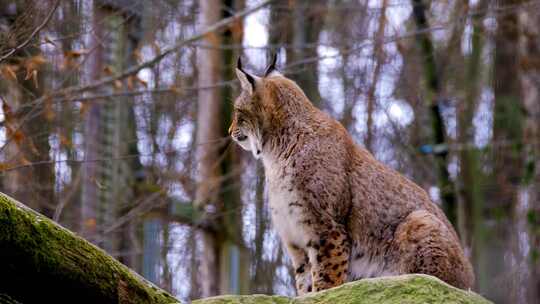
(114, 123)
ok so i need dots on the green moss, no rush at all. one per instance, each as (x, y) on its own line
(411, 289)
(251, 299)
(37, 251)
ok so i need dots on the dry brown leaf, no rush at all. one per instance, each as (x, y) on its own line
(141, 81)
(118, 84)
(213, 38)
(70, 57)
(108, 70)
(48, 40)
(24, 161)
(6, 108)
(32, 66)
(65, 142)
(156, 48)
(4, 166)
(137, 55)
(48, 110)
(75, 53)
(176, 90)
(34, 76)
(17, 136)
(8, 71)
(237, 29)
(33, 147)
(36, 60)
(84, 108)
(90, 223)
(130, 83)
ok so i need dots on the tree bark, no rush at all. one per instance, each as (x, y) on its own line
(223, 267)
(29, 141)
(470, 215)
(209, 130)
(502, 200)
(529, 49)
(44, 262)
(378, 57)
(434, 89)
(308, 21)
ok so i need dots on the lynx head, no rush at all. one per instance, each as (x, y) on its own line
(249, 115)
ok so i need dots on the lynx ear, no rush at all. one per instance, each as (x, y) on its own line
(247, 81)
(272, 66)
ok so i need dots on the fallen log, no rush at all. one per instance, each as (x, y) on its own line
(42, 262)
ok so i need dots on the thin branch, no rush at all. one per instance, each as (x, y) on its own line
(172, 90)
(287, 69)
(122, 157)
(135, 69)
(33, 34)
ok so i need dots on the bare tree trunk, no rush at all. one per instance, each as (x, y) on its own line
(434, 90)
(28, 139)
(262, 283)
(224, 269)
(529, 48)
(470, 213)
(110, 134)
(68, 207)
(508, 160)
(92, 126)
(208, 135)
(307, 23)
(379, 57)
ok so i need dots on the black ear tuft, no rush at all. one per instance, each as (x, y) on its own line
(272, 66)
(239, 64)
(249, 77)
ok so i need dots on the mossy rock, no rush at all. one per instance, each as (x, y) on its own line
(43, 261)
(406, 289)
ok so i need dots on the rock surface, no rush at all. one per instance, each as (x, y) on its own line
(39, 253)
(406, 289)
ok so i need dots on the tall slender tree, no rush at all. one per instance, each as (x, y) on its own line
(529, 49)
(218, 192)
(108, 185)
(28, 128)
(434, 87)
(507, 172)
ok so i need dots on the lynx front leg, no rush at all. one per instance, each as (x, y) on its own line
(329, 257)
(302, 269)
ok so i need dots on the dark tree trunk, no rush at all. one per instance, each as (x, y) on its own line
(223, 267)
(434, 90)
(502, 200)
(30, 140)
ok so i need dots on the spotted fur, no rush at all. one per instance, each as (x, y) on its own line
(341, 214)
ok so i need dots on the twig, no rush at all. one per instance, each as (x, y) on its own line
(134, 69)
(34, 33)
(66, 198)
(121, 157)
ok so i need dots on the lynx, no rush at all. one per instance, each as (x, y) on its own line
(341, 214)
